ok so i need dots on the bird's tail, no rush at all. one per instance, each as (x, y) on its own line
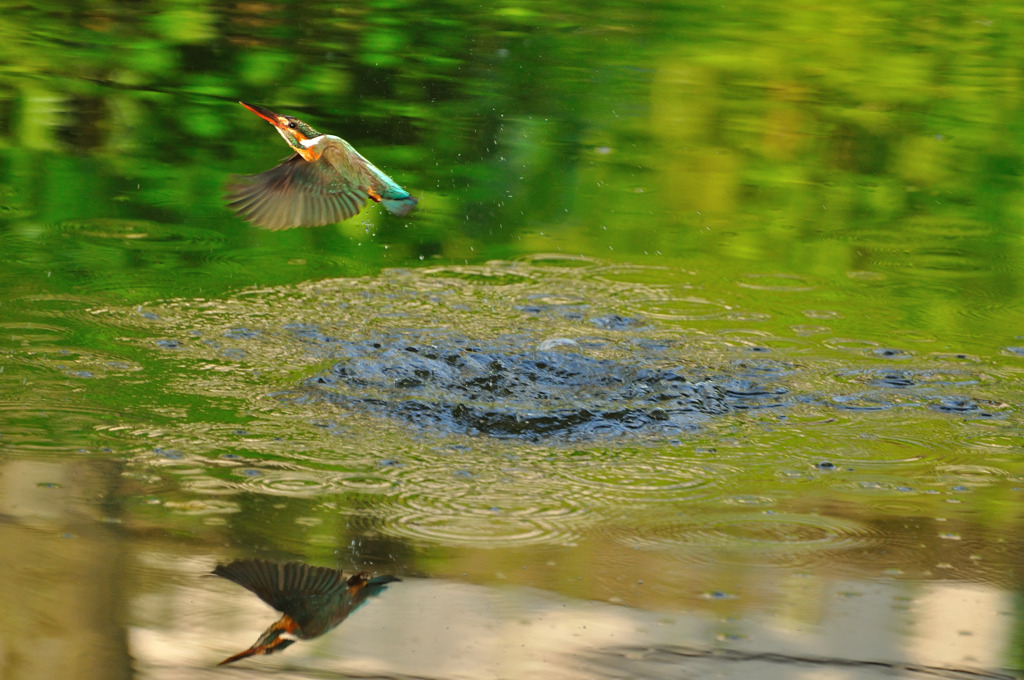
(400, 206)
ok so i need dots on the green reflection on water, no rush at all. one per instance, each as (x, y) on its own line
(641, 132)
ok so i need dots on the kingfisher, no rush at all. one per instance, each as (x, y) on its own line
(324, 182)
(313, 599)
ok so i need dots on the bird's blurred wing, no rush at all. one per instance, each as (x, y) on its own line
(296, 193)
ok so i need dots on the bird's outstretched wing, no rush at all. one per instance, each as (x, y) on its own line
(302, 591)
(296, 193)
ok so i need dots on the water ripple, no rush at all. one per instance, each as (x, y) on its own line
(142, 234)
(779, 538)
(689, 308)
(649, 479)
(486, 517)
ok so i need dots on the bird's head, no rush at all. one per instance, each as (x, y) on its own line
(295, 132)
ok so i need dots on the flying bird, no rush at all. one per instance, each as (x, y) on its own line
(313, 600)
(324, 182)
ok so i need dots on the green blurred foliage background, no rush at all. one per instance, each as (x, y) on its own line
(820, 139)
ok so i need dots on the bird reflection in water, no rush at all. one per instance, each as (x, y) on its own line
(313, 600)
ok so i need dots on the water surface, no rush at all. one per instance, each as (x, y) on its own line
(701, 354)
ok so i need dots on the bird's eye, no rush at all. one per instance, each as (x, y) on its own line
(292, 125)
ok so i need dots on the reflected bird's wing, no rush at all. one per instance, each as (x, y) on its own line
(301, 591)
(296, 193)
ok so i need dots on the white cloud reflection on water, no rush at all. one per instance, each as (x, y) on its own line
(444, 629)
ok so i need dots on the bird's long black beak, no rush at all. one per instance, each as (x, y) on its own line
(275, 646)
(265, 114)
(274, 639)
